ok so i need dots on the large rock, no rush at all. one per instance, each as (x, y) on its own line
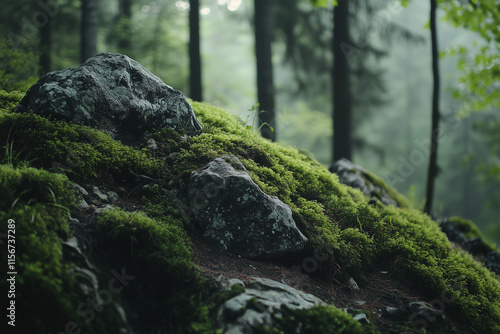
(234, 213)
(260, 305)
(357, 177)
(111, 92)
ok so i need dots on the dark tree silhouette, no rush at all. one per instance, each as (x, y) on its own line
(90, 21)
(433, 167)
(125, 15)
(342, 129)
(194, 51)
(265, 85)
(45, 47)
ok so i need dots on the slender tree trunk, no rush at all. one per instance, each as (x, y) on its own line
(45, 47)
(433, 167)
(194, 51)
(125, 12)
(88, 46)
(265, 84)
(342, 134)
(468, 173)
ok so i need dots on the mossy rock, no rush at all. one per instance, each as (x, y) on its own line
(348, 237)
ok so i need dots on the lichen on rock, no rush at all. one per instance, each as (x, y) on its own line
(234, 213)
(111, 92)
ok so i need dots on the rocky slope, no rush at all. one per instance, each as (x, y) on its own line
(202, 226)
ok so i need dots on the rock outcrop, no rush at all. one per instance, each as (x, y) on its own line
(260, 305)
(357, 177)
(113, 93)
(232, 212)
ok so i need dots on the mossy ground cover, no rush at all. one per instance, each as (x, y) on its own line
(46, 292)
(350, 235)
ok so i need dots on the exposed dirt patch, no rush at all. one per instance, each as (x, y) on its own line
(378, 292)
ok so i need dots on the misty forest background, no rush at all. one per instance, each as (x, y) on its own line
(390, 76)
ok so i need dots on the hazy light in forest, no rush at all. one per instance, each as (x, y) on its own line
(182, 5)
(234, 5)
(204, 10)
(151, 7)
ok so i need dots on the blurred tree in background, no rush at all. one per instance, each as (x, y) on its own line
(195, 82)
(88, 30)
(263, 27)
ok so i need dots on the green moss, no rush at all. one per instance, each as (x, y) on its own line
(82, 153)
(8, 100)
(318, 319)
(47, 293)
(167, 289)
(349, 234)
(338, 220)
(469, 230)
(400, 199)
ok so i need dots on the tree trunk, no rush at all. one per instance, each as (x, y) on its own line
(45, 47)
(433, 167)
(125, 13)
(90, 20)
(342, 136)
(265, 85)
(468, 173)
(194, 51)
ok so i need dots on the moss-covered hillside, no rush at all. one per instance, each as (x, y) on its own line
(132, 268)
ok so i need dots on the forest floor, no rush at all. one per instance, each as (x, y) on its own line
(375, 294)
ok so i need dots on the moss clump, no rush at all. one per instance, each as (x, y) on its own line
(167, 291)
(318, 319)
(47, 292)
(82, 153)
(469, 230)
(8, 100)
(400, 199)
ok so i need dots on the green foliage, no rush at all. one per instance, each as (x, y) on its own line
(323, 3)
(18, 66)
(480, 72)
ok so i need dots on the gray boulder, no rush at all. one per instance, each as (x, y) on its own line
(357, 177)
(231, 211)
(260, 304)
(113, 93)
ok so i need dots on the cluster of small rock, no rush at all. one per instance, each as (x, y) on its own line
(357, 177)
(475, 246)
